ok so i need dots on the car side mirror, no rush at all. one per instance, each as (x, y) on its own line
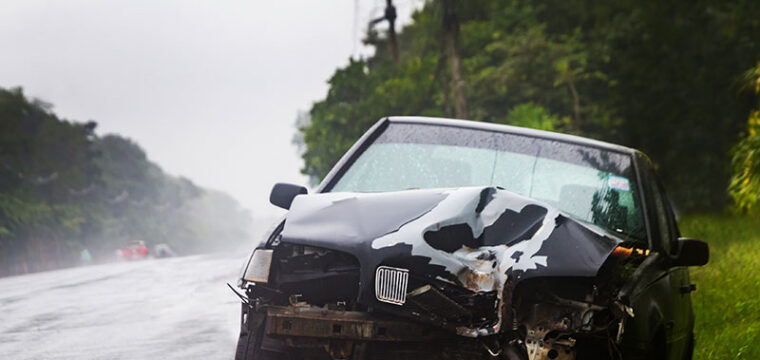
(282, 194)
(691, 252)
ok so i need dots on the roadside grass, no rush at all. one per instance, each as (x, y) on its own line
(727, 300)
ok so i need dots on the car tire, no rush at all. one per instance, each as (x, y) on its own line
(659, 348)
(689, 352)
(249, 344)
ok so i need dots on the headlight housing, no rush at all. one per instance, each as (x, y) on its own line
(258, 266)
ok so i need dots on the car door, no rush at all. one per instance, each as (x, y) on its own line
(679, 328)
(663, 309)
(651, 297)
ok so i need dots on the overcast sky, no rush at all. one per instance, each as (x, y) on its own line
(210, 89)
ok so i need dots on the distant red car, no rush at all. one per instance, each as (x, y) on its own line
(134, 251)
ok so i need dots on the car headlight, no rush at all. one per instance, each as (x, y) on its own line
(258, 267)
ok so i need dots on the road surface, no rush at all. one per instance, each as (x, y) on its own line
(176, 308)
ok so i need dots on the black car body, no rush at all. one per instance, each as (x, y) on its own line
(436, 238)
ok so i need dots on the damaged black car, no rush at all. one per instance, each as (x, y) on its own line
(450, 239)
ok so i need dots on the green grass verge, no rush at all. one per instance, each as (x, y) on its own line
(727, 300)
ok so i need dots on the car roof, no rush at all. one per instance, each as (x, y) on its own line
(468, 124)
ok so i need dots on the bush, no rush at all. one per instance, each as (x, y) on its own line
(726, 303)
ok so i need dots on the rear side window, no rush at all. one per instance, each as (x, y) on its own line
(666, 228)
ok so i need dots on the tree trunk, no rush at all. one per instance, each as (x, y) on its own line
(450, 33)
(390, 15)
(576, 106)
(440, 75)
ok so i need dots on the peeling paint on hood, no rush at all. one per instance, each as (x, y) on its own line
(475, 237)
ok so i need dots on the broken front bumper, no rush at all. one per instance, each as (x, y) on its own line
(309, 332)
(294, 321)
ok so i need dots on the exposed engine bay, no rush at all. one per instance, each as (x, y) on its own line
(469, 273)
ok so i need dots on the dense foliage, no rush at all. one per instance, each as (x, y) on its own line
(63, 189)
(726, 301)
(660, 76)
(745, 184)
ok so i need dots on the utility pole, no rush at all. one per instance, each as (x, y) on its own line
(450, 34)
(390, 16)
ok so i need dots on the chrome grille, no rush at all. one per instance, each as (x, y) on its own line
(390, 284)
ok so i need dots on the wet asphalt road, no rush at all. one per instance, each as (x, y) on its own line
(176, 308)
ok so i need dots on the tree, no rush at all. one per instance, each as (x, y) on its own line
(657, 76)
(64, 189)
(745, 183)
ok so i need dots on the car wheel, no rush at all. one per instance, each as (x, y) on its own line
(656, 349)
(249, 345)
(659, 349)
(689, 353)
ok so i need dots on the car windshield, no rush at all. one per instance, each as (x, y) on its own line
(589, 184)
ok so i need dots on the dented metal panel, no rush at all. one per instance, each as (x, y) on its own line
(474, 237)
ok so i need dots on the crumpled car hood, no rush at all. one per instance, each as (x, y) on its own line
(475, 237)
